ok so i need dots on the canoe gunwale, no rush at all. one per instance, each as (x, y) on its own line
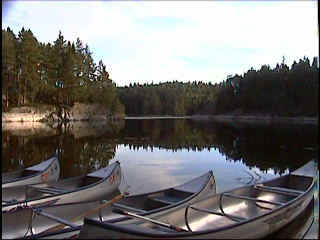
(26, 202)
(37, 173)
(123, 229)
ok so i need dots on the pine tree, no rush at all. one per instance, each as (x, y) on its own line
(28, 57)
(8, 64)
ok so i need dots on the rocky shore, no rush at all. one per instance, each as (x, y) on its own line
(79, 112)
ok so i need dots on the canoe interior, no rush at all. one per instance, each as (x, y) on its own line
(36, 191)
(154, 201)
(7, 177)
(300, 183)
(245, 209)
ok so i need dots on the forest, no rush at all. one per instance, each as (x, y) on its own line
(281, 91)
(64, 72)
(59, 74)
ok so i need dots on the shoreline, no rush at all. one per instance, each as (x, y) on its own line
(11, 118)
(266, 120)
(248, 119)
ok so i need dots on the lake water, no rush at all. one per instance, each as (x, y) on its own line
(156, 154)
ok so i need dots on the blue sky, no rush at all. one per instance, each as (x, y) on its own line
(157, 41)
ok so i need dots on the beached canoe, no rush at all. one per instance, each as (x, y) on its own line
(148, 204)
(253, 211)
(46, 171)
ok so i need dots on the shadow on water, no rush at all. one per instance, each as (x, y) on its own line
(88, 146)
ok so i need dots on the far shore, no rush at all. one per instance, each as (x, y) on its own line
(266, 119)
(239, 118)
(9, 119)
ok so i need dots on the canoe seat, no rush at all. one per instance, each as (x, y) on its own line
(50, 190)
(133, 209)
(167, 199)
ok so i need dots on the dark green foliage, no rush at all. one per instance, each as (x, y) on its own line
(279, 91)
(59, 74)
(169, 98)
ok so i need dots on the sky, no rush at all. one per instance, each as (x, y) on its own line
(159, 41)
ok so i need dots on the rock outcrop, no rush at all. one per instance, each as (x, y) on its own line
(78, 112)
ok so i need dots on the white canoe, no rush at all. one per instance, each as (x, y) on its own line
(46, 171)
(75, 189)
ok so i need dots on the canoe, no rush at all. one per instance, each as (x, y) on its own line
(253, 211)
(81, 188)
(46, 171)
(147, 204)
(16, 216)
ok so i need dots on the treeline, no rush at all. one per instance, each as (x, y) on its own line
(61, 73)
(280, 91)
(169, 98)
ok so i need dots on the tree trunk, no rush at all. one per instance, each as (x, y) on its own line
(7, 98)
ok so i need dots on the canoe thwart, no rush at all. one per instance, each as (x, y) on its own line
(250, 199)
(285, 191)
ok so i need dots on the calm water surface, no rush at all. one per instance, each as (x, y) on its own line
(156, 154)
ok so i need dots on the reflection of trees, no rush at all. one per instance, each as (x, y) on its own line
(83, 155)
(166, 134)
(277, 148)
(78, 155)
(23, 151)
(274, 148)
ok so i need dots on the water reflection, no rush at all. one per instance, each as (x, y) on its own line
(82, 147)
(277, 148)
(161, 153)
